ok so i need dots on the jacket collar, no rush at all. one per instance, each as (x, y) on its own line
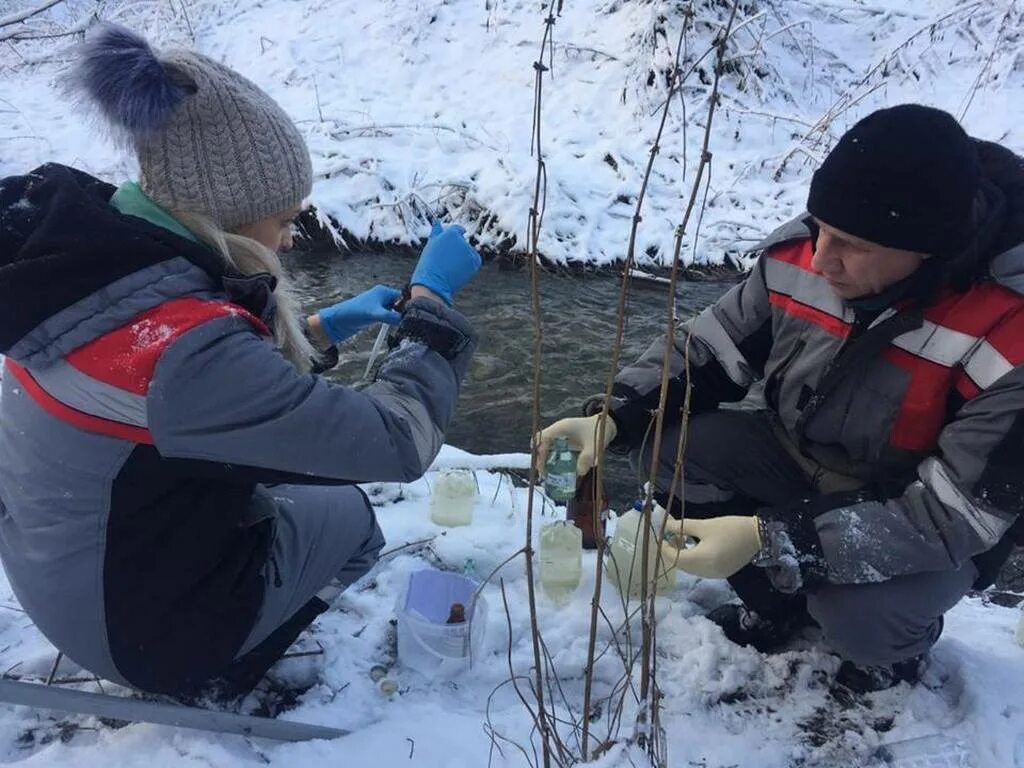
(130, 200)
(253, 292)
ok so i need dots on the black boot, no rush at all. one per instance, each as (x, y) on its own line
(745, 627)
(868, 679)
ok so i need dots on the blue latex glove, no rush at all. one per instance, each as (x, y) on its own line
(345, 319)
(447, 263)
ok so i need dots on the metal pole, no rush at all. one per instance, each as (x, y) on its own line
(176, 715)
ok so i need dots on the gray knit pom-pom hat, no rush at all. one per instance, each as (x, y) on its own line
(208, 140)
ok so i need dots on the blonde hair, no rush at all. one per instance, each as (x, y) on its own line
(250, 258)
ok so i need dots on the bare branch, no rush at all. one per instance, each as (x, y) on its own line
(536, 216)
(647, 691)
(19, 16)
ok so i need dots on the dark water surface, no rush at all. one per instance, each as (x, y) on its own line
(494, 412)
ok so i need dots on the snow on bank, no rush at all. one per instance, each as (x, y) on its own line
(723, 705)
(417, 106)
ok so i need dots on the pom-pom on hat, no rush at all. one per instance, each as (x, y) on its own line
(208, 140)
(905, 177)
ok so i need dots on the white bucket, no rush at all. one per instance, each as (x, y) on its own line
(425, 642)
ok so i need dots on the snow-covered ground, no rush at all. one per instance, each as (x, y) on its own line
(723, 705)
(410, 106)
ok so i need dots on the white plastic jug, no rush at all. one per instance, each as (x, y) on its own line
(453, 496)
(625, 554)
(425, 641)
(561, 559)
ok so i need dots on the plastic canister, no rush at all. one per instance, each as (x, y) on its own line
(625, 553)
(561, 559)
(426, 642)
(452, 498)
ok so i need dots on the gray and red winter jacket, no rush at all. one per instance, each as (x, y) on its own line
(144, 408)
(921, 400)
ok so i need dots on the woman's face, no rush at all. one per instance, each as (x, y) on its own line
(275, 231)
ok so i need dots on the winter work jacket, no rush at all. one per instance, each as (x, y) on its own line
(144, 408)
(921, 403)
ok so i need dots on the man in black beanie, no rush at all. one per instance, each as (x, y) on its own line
(880, 479)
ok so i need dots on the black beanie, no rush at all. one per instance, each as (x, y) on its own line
(905, 177)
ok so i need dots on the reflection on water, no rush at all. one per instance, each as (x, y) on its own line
(495, 413)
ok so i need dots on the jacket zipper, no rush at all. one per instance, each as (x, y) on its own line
(775, 383)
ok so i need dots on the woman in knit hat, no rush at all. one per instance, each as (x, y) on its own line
(177, 490)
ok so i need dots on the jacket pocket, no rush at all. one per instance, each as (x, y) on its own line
(774, 382)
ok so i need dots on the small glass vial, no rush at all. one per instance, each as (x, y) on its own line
(560, 472)
(454, 494)
(456, 614)
(561, 559)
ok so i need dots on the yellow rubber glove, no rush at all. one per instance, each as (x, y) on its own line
(725, 544)
(582, 434)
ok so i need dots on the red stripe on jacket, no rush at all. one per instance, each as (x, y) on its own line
(126, 357)
(823, 320)
(922, 412)
(797, 253)
(84, 421)
(987, 311)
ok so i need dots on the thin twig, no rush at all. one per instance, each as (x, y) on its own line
(489, 728)
(552, 681)
(76, 680)
(303, 654)
(647, 596)
(674, 85)
(1001, 28)
(19, 16)
(535, 219)
(188, 21)
(613, 369)
(316, 94)
(409, 545)
(866, 9)
(497, 568)
(511, 669)
(846, 100)
(53, 669)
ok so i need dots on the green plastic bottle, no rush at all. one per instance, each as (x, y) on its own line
(560, 472)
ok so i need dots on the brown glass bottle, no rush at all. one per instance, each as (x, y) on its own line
(586, 509)
(457, 614)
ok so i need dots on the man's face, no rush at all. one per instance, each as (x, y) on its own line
(855, 267)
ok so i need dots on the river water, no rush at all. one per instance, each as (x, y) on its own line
(494, 413)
